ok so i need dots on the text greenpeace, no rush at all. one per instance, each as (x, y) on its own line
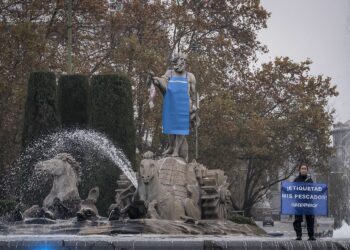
(304, 198)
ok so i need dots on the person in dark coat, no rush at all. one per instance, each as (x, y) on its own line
(310, 219)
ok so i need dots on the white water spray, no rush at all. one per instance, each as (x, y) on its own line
(343, 232)
(93, 139)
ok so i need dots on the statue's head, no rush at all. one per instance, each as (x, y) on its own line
(179, 62)
(59, 165)
(148, 169)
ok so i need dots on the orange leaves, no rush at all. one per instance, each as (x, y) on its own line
(279, 113)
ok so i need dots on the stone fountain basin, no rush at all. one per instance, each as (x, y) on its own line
(161, 242)
(102, 226)
(148, 234)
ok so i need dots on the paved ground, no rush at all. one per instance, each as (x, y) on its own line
(279, 227)
(323, 228)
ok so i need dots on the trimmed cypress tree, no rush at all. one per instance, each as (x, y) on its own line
(41, 116)
(111, 113)
(73, 94)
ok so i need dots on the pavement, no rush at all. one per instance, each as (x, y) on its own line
(323, 228)
(285, 228)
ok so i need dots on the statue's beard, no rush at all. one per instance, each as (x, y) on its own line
(179, 68)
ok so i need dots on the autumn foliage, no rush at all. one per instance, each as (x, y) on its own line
(264, 121)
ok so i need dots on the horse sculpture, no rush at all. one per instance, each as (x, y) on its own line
(65, 180)
(161, 204)
(63, 201)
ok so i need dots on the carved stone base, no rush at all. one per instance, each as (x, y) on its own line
(102, 226)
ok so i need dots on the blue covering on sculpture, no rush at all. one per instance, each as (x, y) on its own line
(176, 107)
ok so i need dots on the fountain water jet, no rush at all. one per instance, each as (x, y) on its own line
(101, 144)
(88, 144)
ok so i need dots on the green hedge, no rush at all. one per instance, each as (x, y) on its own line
(41, 116)
(111, 113)
(73, 94)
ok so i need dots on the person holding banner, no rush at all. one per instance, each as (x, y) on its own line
(310, 219)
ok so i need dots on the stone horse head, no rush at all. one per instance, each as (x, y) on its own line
(65, 181)
(148, 170)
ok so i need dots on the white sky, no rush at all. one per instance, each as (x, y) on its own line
(315, 29)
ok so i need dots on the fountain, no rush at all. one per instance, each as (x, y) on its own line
(168, 181)
(90, 148)
(169, 202)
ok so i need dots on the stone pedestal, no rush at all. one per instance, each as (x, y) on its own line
(172, 175)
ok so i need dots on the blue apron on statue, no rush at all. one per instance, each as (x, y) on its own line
(176, 107)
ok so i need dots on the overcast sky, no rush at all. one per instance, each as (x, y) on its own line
(315, 29)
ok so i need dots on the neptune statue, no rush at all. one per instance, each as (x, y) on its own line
(180, 105)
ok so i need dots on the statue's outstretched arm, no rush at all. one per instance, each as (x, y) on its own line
(160, 83)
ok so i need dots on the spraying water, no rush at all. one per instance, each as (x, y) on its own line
(343, 232)
(89, 145)
(100, 143)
